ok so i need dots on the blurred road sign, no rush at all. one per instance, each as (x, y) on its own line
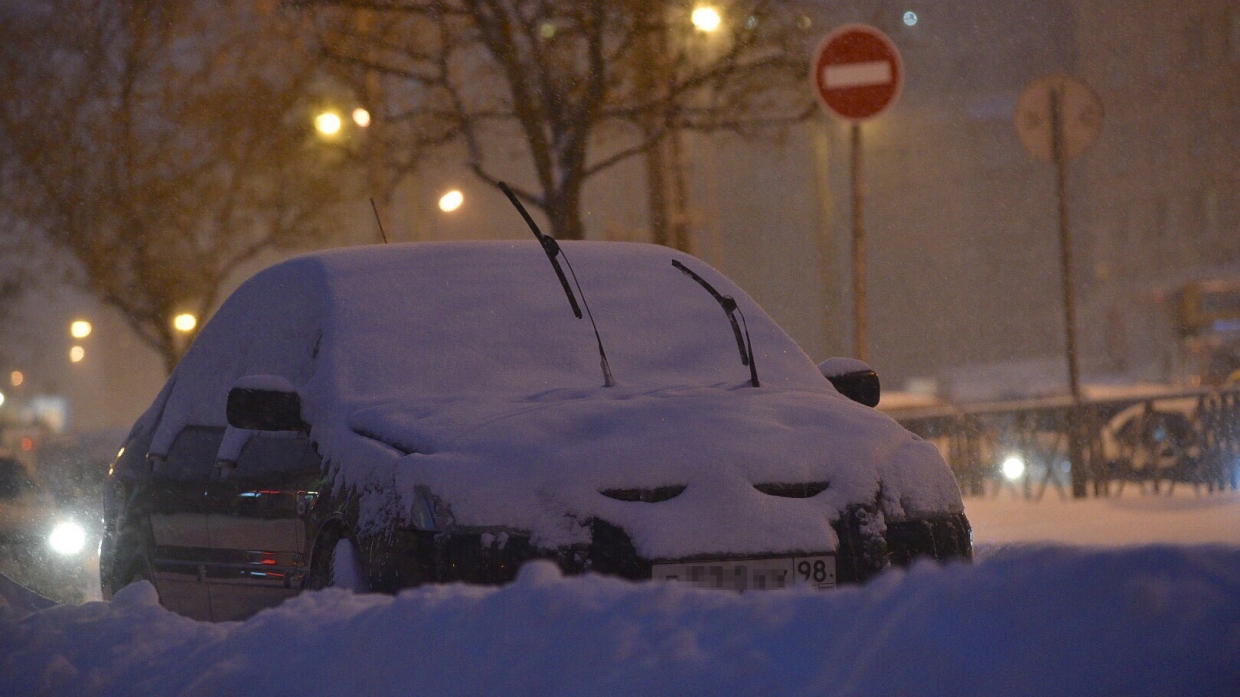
(857, 72)
(1080, 114)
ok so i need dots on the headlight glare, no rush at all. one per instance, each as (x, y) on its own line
(67, 538)
(1013, 467)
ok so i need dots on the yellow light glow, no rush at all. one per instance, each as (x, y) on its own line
(76, 354)
(184, 322)
(16, 378)
(706, 18)
(361, 117)
(328, 123)
(1, 399)
(451, 201)
(80, 329)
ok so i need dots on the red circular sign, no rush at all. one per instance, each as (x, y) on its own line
(857, 72)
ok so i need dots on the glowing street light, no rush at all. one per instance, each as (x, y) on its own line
(184, 322)
(80, 329)
(706, 18)
(328, 123)
(361, 117)
(76, 354)
(451, 201)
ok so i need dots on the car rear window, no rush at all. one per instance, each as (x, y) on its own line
(14, 482)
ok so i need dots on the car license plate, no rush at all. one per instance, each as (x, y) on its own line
(752, 574)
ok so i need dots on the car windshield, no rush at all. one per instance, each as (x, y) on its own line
(458, 319)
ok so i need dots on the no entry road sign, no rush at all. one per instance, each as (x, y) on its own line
(857, 72)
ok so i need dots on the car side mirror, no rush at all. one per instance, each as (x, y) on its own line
(265, 403)
(852, 378)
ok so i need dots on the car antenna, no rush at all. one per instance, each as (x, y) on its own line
(730, 307)
(375, 208)
(552, 248)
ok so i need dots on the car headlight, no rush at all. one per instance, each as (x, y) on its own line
(1013, 467)
(67, 538)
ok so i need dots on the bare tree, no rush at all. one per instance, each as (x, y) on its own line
(161, 145)
(583, 84)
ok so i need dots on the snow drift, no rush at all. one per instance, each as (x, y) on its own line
(1044, 621)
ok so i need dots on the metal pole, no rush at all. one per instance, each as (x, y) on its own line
(860, 340)
(829, 255)
(1075, 451)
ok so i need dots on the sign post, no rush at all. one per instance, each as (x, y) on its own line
(1056, 118)
(857, 75)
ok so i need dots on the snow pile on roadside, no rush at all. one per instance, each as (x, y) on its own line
(1150, 620)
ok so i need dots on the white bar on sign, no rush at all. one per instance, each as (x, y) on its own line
(857, 74)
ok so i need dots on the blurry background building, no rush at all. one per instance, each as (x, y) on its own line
(964, 272)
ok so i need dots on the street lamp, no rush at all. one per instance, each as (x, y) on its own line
(706, 18)
(80, 329)
(76, 354)
(361, 117)
(451, 201)
(184, 322)
(328, 123)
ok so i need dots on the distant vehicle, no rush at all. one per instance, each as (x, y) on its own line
(1208, 319)
(40, 547)
(379, 418)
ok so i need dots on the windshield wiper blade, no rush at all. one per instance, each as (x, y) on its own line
(552, 248)
(743, 343)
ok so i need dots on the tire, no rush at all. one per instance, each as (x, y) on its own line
(337, 563)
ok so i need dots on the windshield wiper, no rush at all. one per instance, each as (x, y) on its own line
(729, 306)
(552, 248)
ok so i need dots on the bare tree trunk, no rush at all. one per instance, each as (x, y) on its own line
(564, 213)
(665, 185)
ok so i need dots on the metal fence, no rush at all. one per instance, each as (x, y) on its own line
(1151, 442)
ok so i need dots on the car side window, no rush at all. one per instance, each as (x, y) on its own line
(192, 455)
(276, 453)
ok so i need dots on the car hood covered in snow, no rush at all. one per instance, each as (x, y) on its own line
(530, 463)
(457, 371)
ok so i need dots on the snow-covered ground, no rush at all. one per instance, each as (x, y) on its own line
(1137, 595)
(1185, 517)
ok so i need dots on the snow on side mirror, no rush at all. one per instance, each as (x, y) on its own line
(852, 378)
(265, 403)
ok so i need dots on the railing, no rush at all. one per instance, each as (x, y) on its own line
(1151, 442)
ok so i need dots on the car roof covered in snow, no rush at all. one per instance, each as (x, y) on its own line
(374, 323)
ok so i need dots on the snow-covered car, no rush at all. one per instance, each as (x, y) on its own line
(383, 417)
(40, 546)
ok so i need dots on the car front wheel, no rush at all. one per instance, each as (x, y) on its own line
(337, 563)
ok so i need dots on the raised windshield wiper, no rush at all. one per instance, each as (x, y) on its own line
(729, 306)
(552, 248)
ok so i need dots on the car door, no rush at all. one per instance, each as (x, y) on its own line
(255, 523)
(178, 499)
